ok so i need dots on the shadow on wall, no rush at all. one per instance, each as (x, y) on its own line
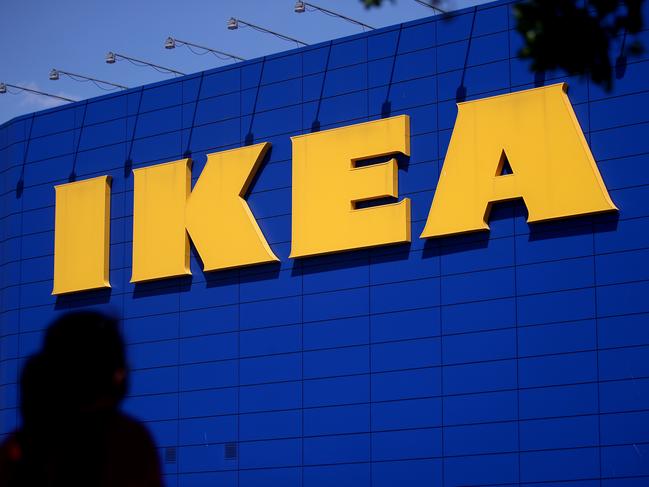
(510, 216)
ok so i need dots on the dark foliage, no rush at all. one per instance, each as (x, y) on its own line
(576, 36)
(373, 3)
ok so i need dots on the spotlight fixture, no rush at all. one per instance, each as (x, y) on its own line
(112, 57)
(172, 43)
(4, 88)
(233, 24)
(55, 74)
(301, 7)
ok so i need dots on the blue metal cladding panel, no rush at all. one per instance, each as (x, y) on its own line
(517, 357)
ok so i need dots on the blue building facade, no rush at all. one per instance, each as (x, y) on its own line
(518, 356)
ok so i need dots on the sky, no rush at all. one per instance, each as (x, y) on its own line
(75, 35)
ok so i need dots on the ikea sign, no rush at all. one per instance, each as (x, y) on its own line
(535, 131)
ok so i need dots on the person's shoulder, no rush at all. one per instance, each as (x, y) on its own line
(124, 424)
(10, 448)
(11, 454)
(133, 458)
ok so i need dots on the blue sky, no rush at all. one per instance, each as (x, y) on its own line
(74, 35)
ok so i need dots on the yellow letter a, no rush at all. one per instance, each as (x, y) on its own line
(215, 215)
(537, 132)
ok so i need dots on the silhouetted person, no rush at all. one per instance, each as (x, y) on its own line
(73, 432)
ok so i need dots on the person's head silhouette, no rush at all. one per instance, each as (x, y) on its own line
(73, 432)
(86, 361)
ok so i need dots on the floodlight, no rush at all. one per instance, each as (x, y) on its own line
(233, 24)
(172, 42)
(4, 86)
(55, 74)
(301, 7)
(111, 57)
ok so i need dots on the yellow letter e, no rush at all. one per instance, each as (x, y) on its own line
(327, 184)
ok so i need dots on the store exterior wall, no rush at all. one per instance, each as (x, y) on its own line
(517, 356)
